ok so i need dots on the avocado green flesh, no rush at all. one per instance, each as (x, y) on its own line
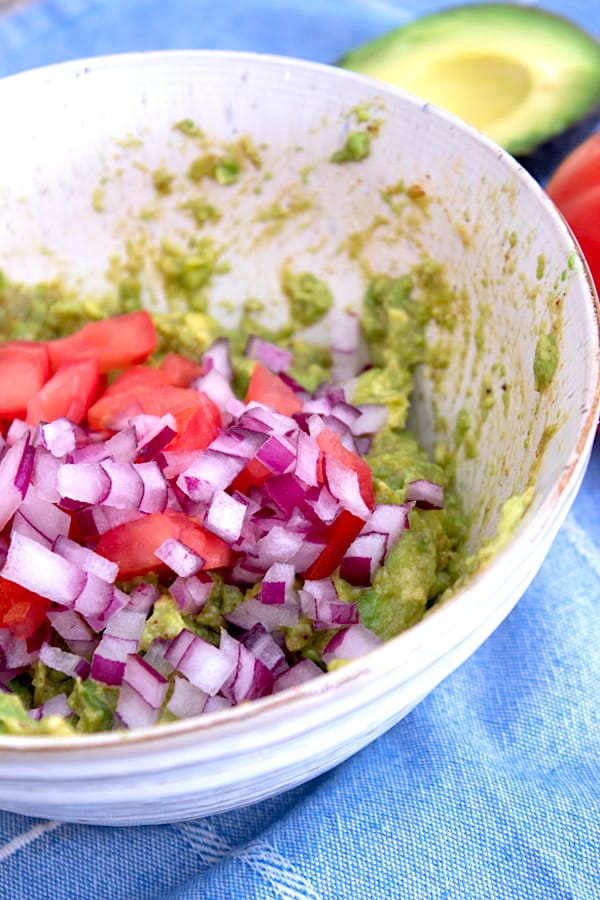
(519, 74)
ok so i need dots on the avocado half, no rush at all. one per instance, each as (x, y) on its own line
(517, 73)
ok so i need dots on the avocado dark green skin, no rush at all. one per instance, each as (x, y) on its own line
(545, 62)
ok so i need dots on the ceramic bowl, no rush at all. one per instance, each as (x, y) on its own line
(76, 185)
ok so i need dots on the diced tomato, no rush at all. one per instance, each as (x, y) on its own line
(142, 389)
(21, 610)
(201, 428)
(24, 367)
(330, 444)
(117, 342)
(69, 393)
(268, 388)
(340, 534)
(132, 544)
(253, 474)
(179, 370)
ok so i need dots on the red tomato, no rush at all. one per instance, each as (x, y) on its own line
(21, 610)
(340, 534)
(132, 545)
(268, 388)
(179, 370)
(116, 342)
(331, 445)
(67, 393)
(575, 188)
(142, 389)
(24, 367)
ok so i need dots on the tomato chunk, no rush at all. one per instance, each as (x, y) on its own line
(132, 544)
(24, 367)
(268, 388)
(142, 389)
(21, 611)
(116, 342)
(340, 534)
(179, 370)
(69, 393)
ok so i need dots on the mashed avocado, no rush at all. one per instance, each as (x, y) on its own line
(427, 559)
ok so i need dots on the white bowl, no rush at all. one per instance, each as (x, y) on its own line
(95, 129)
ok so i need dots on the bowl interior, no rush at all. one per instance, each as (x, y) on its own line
(429, 189)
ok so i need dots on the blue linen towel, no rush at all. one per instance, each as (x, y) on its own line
(490, 788)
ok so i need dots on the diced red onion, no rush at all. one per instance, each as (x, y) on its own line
(320, 602)
(217, 357)
(250, 677)
(122, 446)
(275, 358)
(264, 647)
(372, 418)
(155, 495)
(278, 584)
(236, 441)
(225, 516)
(40, 520)
(200, 662)
(15, 458)
(84, 482)
(153, 433)
(54, 706)
(180, 558)
(63, 661)
(191, 594)
(349, 643)
(303, 671)
(86, 559)
(155, 656)
(425, 494)
(271, 617)
(143, 597)
(211, 471)
(186, 699)
(45, 472)
(125, 485)
(363, 558)
(43, 571)
(216, 387)
(59, 436)
(141, 695)
(277, 454)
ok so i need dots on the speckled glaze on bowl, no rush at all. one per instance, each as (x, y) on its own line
(103, 125)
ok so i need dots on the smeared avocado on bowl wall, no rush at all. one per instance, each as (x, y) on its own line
(519, 74)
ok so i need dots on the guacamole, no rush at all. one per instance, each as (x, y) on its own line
(327, 526)
(421, 565)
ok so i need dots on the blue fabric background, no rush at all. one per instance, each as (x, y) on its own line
(490, 787)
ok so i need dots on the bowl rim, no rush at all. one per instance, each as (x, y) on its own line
(440, 620)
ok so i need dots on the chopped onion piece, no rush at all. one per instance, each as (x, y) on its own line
(84, 482)
(86, 559)
(186, 700)
(349, 643)
(179, 558)
(425, 494)
(63, 661)
(275, 358)
(58, 437)
(191, 594)
(225, 516)
(250, 677)
(202, 664)
(11, 466)
(303, 671)
(43, 571)
(363, 558)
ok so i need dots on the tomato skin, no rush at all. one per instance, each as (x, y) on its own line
(132, 544)
(575, 189)
(117, 342)
(21, 611)
(24, 368)
(69, 393)
(340, 534)
(268, 388)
